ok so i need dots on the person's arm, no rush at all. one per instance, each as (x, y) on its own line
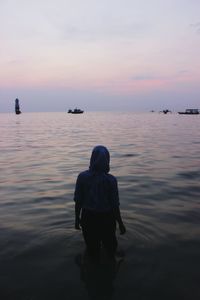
(118, 218)
(116, 203)
(78, 202)
(77, 215)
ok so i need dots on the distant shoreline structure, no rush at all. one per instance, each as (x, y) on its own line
(17, 107)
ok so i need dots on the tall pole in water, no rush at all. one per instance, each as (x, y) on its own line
(17, 108)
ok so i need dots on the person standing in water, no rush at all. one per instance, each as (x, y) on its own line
(97, 205)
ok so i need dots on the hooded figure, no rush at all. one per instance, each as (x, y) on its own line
(96, 198)
(100, 160)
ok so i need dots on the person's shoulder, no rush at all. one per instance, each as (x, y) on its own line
(83, 174)
(112, 177)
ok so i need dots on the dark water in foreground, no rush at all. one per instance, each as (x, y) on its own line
(156, 159)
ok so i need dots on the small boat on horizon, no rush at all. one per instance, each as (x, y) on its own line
(75, 111)
(190, 111)
(166, 111)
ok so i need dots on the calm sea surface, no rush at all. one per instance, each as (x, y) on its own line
(156, 159)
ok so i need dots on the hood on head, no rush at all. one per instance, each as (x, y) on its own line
(100, 160)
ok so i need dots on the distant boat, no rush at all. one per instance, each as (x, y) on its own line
(17, 108)
(190, 111)
(75, 111)
(166, 111)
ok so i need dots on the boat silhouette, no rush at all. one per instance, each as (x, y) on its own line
(75, 111)
(190, 111)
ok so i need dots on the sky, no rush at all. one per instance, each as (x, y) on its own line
(100, 55)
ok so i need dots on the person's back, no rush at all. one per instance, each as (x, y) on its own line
(96, 197)
(97, 191)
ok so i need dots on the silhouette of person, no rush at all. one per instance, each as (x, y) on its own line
(97, 205)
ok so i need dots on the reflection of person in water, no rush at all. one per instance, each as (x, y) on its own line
(98, 278)
(97, 200)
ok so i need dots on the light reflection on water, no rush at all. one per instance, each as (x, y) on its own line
(156, 160)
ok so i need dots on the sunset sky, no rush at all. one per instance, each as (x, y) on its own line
(100, 55)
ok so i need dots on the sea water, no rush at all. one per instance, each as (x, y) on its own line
(156, 159)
